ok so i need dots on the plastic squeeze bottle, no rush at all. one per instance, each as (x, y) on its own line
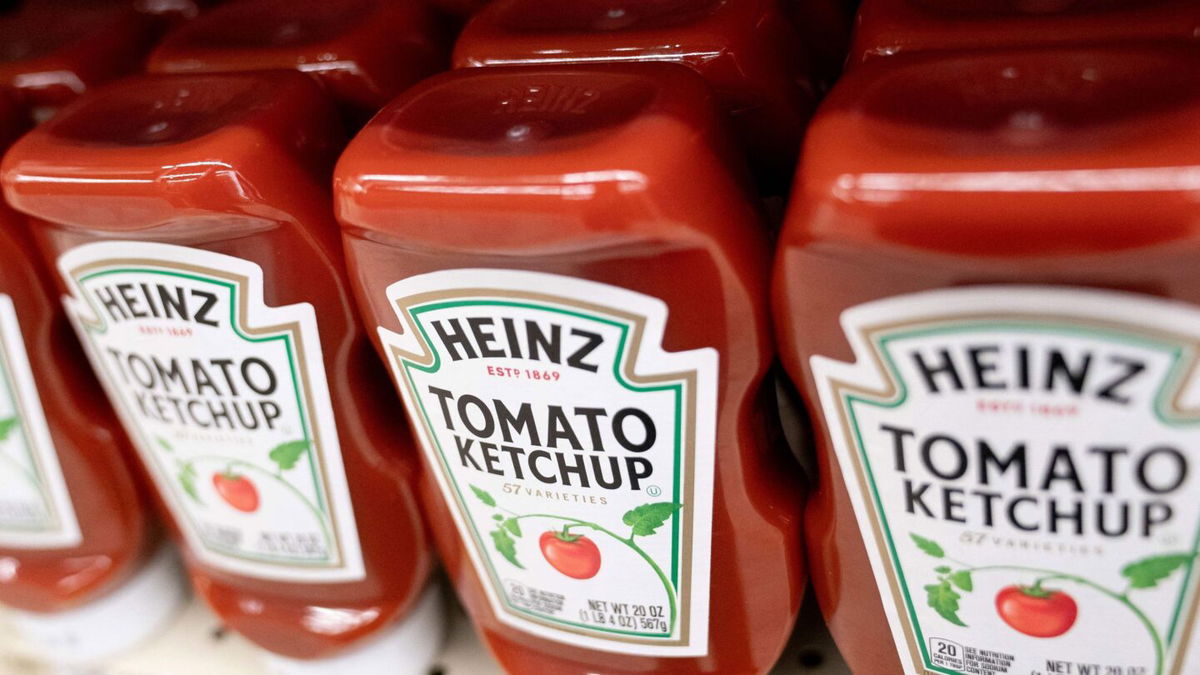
(84, 572)
(747, 50)
(888, 27)
(986, 290)
(567, 278)
(189, 220)
(363, 52)
(51, 52)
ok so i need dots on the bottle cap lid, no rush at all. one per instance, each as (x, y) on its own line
(410, 645)
(112, 624)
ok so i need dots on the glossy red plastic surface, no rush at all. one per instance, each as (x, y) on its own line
(238, 164)
(363, 51)
(116, 521)
(746, 49)
(636, 189)
(887, 27)
(50, 52)
(1049, 166)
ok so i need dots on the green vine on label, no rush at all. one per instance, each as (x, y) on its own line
(286, 455)
(643, 521)
(187, 481)
(30, 475)
(7, 425)
(943, 597)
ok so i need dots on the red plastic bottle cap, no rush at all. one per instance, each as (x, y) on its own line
(746, 49)
(363, 51)
(561, 140)
(977, 153)
(887, 27)
(132, 138)
(52, 52)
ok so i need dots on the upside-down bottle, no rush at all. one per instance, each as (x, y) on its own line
(363, 52)
(83, 568)
(568, 280)
(747, 50)
(189, 220)
(987, 290)
(51, 52)
(889, 27)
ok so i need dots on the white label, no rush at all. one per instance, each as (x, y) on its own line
(227, 402)
(1023, 465)
(35, 508)
(575, 454)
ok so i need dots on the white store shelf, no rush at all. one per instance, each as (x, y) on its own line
(197, 644)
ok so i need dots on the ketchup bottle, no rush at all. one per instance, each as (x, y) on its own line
(887, 27)
(50, 52)
(189, 218)
(568, 281)
(987, 291)
(82, 569)
(747, 50)
(363, 51)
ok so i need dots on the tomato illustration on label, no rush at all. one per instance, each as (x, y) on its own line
(227, 402)
(237, 491)
(232, 484)
(575, 555)
(1036, 611)
(583, 493)
(572, 554)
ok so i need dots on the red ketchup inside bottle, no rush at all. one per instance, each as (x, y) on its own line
(192, 233)
(567, 280)
(82, 564)
(986, 291)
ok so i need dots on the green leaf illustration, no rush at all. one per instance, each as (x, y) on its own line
(187, 480)
(483, 496)
(942, 569)
(506, 546)
(286, 455)
(962, 579)
(512, 526)
(928, 545)
(6, 426)
(647, 518)
(944, 600)
(164, 444)
(1147, 572)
